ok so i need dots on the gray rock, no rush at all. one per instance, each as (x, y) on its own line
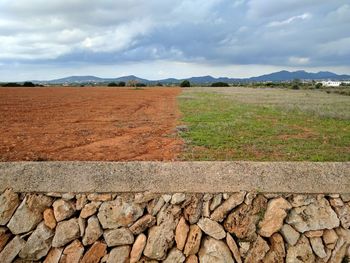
(345, 197)
(119, 212)
(119, 255)
(216, 201)
(234, 200)
(144, 197)
(175, 256)
(93, 231)
(9, 201)
(315, 216)
(212, 228)
(343, 213)
(11, 250)
(117, 237)
(318, 247)
(142, 224)
(29, 213)
(38, 243)
(155, 205)
(214, 251)
(63, 209)
(233, 247)
(192, 212)
(66, 231)
(290, 234)
(301, 252)
(277, 252)
(178, 198)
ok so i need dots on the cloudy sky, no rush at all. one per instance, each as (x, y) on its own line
(41, 39)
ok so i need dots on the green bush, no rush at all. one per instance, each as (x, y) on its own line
(28, 84)
(141, 85)
(318, 85)
(112, 84)
(220, 84)
(185, 83)
(121, 84)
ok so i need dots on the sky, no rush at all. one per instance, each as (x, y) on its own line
(155, 39)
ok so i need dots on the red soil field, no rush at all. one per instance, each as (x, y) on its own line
(88, 124)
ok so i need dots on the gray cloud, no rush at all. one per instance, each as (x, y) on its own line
(281, 34)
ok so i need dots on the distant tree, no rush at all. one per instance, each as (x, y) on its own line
(28, 84)
(159, 84)
(220, 84)
(121, 84)
(11, 84)
(141, 85)
(296, 84)
(112, 84)
(318, 85)
(185, 83)
(132, 83)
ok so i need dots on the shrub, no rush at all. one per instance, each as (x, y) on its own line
(185, 83)
(28, 84)
(141, 85)
(112, 84)
(220, 84)
(11, 84)
(121, 84)
(318, 85)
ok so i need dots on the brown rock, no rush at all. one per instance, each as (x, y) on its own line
(72, 253)
(274, 216)
(193, 210)
(142, 224)
(119, 212)
(234, 200)
(343, 213)
(277, 251)
(233, 247)
(63, 209)
(119, 255)
(174, 256)
(118, 237)
(81, 201)
(95, 253)
(318, 247)
(181, 233)
(49, 218)
(9, 201)
(93, 231)
(155, 205)
(258, 251)
(336, 202)
(5, 235)
(66, 231)
(89, 209)
(216, 201)
(244, 248)
(82, 226)
(145, 197)
(301, 252)
(99, 197)
(137, 248)
(314, 233)
(191, 259)
(290, 234)
(29, 213)
(193, 240)
(214, 250)
(212, 228)
(11, 250)
(243, 221)
(54, 255)
(206, 209)
(178, 198)
(339, 251)
(330, 238)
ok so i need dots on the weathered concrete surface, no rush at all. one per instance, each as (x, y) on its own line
(282, 177)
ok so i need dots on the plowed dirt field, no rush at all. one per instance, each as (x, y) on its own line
(91, 124)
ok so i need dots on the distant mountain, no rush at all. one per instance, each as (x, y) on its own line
(274, 77)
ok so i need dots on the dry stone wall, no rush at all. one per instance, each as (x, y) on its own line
(174, 227)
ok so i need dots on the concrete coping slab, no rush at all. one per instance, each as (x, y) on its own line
(166, 177)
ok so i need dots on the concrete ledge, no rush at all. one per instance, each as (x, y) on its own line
(161, 177)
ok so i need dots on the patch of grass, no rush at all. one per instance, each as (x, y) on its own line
(224, 126)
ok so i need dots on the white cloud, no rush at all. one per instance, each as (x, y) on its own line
(299, 60)
(290, 20)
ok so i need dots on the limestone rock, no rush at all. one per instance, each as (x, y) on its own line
(82, 225)
(330, 238)
(49, 218)
(99, 197)
(119, 212)
(274, 216)
(302, 200)
(93, 231)
(66, 231)
(72, 253)
(336, 202)
(181, 233)
(343, 213)
(155, 205)
(244, 247)
(89, 209)
(193, 240)
(166, 198)
(38, 243)
(214, 251)
(144, 197)
(158, 242)
(206, 209)
(5, 235)
(318, 247)
(290, 234)
(248, 200)
(119, 255)
(175, 256)
(301, 252)
(29, 213)
(54, 255)
(63, 209)
(191, 259)
(68, 196)
(345, 197)
(142, 224)
(314, 233)
(315, 216)
(193, 210)
(81, 201)
(233, 247)
(95, 253)
(212, 228)
(11, 250)
(258, 251)
(233, 201)
(178, 198)
(339, 251)
(117, 237)
(137, 248)
(216, 201)
(243, 221)
(9, 201)
(277, 251)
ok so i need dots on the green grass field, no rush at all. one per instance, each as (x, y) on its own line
(265, 125)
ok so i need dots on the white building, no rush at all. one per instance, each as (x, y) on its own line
(331, 83)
